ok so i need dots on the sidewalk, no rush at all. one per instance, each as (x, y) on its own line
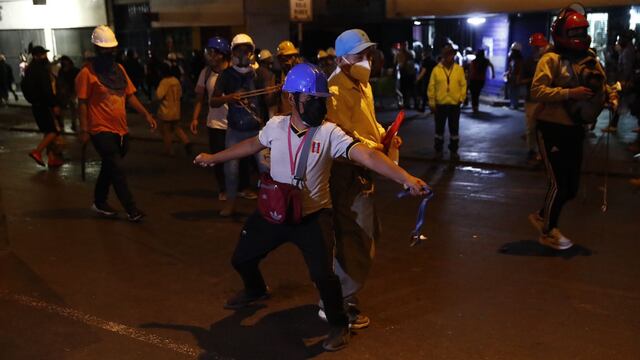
(494, 138)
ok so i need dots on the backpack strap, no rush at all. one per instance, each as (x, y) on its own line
(304, 155)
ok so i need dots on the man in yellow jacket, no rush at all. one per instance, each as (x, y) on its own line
(355, 218)
(447, 91)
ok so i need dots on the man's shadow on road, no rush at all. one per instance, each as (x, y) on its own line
(288, 334)
(533, 248)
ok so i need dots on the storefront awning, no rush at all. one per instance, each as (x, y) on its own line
(424, 8)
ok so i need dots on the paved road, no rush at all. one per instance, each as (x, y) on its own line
(74, 286)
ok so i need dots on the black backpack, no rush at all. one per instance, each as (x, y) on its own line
(29, 86)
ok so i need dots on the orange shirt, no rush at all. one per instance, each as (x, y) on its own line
(105, 107)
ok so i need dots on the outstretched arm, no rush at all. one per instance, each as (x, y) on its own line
(237, 151)
(378, 162)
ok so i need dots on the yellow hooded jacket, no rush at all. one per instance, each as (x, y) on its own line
(440, 93)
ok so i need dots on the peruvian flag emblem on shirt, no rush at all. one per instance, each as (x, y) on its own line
(315, 147)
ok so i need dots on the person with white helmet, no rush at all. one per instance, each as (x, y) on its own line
(104, 89)
(352, 186)
(266, 78)
(514, 67)
(244, 117)
(305, 174)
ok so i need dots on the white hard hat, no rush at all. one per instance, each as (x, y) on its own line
(104, 37)
(241, 39)
(264, 54)
(516, 46)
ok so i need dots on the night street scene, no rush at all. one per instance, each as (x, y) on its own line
(298, 179)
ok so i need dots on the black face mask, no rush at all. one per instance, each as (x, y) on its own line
(315, 110)
(103, 62)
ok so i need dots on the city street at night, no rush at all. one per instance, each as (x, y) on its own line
(77, 286)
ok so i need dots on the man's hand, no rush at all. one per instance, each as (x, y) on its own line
(205, 160)
(416, 186)
(152, 122)
(613, 104)
(580, 93)
(194, 126)
(233, 98)
(396, 141)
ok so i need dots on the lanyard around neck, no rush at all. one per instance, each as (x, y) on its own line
(448, 74)
(292, 159)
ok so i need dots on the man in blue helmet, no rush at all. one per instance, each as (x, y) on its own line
(356, 222)
(293, 138)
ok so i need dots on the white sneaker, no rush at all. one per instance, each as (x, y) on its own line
(537, 221)
(555, 239)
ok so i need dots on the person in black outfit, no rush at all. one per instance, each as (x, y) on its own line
(426, 67)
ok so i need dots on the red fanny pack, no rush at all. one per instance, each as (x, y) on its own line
(281, 203)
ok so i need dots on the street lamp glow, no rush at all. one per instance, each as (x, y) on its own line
(475, 21)
(417, 23)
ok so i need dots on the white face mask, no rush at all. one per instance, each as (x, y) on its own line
(361, 71)
(243, 70)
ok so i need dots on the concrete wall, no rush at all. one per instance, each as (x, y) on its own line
(22, 14)
(267, 22)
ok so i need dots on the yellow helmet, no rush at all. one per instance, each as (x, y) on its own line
(287, 48)
(103, 36)
(322, 54)
(331, 52)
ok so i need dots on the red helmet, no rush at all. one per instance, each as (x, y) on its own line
(569, 30)
(538, 40)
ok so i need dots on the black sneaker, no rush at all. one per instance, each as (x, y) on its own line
(337, 339)
(242, 299)
(135, 215)
(356, 321)
(104, 209)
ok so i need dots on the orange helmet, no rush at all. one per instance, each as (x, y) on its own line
(569, 30)
(538, 40)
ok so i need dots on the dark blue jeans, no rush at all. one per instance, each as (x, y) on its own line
(112, 148)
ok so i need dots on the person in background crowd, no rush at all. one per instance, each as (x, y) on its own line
(66, 91)
(539, 45)
(426, 67)
(266, 78)
(447, 91)
(243, 118)
(152, 74)
(478, 76)
(624, 75)
(168, 94)
(288, 56)
(514, 67)
(38, 89)
(104, 89)
(6, 81)
(560, 132)
(406, 67)
(134, 68)
(327, 61)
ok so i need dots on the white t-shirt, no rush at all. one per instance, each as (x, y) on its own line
(329, 142)
(217, 117)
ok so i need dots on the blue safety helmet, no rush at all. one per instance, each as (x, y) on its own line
(219, 44)
(352, 42)
(306, 79)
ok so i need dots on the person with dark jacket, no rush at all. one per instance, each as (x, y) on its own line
(478, 76)
(37, 87)
(66, 90)
(6, 81)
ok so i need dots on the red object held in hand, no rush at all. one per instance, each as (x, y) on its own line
(392, 131)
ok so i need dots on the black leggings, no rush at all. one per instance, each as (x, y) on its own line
(112, 148)
(561, 150)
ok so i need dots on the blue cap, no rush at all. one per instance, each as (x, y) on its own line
(352, 42)
(220, 44)
(307, 79)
